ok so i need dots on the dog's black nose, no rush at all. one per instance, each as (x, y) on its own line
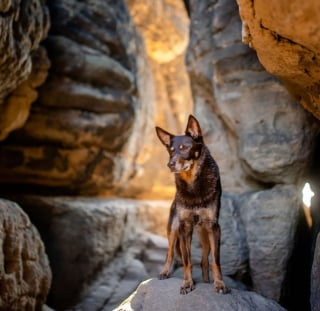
(171, 164)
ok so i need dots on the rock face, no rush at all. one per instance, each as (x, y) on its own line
(110, 224)
(140, 259)
(164, 25)
(270, 249)
(82, 236)
(246, 237)
(91, 131)
(88, 107)
(23, 63)
(247, 112)
(286, 39)
(25, 275)
(159, 295)
(105, 90)
(260, 137)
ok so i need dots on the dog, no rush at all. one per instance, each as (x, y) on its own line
(196, 205)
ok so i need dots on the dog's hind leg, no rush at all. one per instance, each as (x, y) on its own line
(205, 245)
(214, 239)
(178, 261)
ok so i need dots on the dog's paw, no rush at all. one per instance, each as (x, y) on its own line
(163, 276)
(220, 287)
(186, 288)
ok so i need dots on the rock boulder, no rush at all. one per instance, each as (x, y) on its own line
(83, 235)
(25, 275)
(159, 295)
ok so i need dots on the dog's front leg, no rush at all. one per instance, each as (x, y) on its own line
(185, 236)
(172, 238)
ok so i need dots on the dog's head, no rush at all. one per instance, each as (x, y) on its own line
(183, 150)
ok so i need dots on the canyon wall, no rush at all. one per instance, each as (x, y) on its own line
(86, 126)
(262, 139)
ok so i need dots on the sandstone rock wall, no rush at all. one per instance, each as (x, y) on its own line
(247, 113)
(164, 25)
(23, 63)
(286, 38)
(25, 275)
(261, 138)
(92, 128)
(78, 137)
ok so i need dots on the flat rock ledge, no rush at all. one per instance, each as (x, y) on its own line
(156, 295)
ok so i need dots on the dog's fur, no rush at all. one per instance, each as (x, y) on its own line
(196, 204)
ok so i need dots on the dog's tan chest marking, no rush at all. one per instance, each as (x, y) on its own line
(190, 175)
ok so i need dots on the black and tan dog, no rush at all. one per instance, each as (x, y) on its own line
(196, 204)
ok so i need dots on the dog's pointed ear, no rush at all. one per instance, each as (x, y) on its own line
(164, 136)
(193, 128)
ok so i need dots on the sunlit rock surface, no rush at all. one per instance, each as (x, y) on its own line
(82, 134)
(23, 63)
(286, 38)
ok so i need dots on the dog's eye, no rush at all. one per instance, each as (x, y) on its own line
(171, 148)
(181, 147)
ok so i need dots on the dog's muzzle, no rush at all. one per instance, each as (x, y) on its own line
(180, 166)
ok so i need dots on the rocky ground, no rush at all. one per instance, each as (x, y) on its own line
(158, 295)
(141, 259)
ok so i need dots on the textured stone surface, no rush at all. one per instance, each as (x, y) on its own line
(106, 88)
(140, 259)
(89, 105)
(315, 281)
(96, 229)
(23, 63)
(16, 109)
(261, 138)
(286, 38)
(124, 273)
(82, 236)
(90, 131)
(270, 219)
(247, 113)
(234, 251)
(249, 248)
(25, 275)
(164, 295)
(164, 25)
